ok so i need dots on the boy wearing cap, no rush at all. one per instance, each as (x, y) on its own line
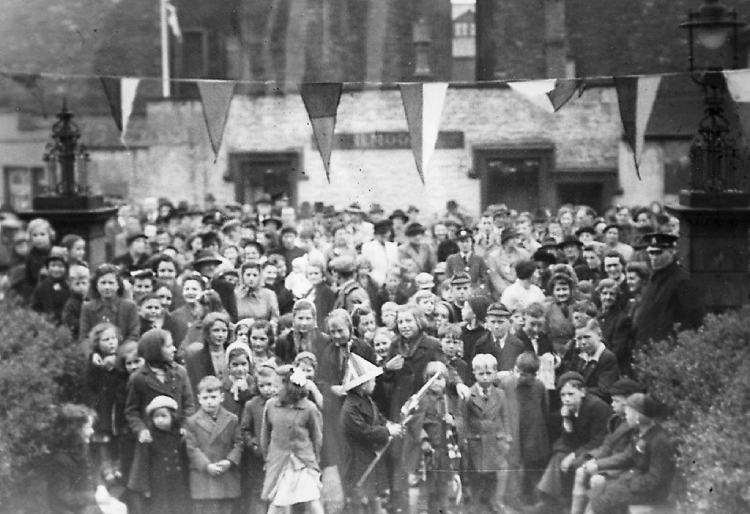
(460, 292)
(669, 297)
(365, 432)
(584, 426)
(467, 261)
(505, 349)
(607, 459)
(648, 467)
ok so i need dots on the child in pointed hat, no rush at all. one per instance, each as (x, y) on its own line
(365, 431)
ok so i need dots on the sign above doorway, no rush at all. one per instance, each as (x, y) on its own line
(391, 141)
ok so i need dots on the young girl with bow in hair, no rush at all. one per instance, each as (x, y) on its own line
(291, 437)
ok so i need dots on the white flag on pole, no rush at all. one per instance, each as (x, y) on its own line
(172, 21)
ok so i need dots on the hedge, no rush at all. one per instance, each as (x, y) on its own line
(40, 367)
(704, 378)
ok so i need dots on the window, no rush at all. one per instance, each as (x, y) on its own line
(22, 184)
(194, 61)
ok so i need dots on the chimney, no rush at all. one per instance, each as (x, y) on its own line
(555, 38)
(485, 40)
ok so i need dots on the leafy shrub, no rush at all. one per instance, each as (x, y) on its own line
(704, 377)
(40, 368)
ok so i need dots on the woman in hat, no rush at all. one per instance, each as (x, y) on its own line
(649, 466)
(501, 261)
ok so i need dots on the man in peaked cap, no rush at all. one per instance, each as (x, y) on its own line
(669, 297)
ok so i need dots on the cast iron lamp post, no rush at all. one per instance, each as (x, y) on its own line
(714, 153)
(65, 154)
(714, 211)
(67, 203)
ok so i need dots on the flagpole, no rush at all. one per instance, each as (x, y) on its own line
(164, 50)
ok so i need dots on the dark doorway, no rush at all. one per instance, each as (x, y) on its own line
(514, 182)
(516, 177)
(256, 174)
(581, 193)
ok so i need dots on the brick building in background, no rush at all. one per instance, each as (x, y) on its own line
(496, 146)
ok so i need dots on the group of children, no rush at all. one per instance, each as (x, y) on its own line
(254, 442)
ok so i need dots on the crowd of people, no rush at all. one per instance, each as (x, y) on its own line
(261, 358)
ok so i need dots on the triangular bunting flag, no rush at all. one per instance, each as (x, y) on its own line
(563, 91)
(128, 90)
(113, 93)
(423, 105)
(536, 92)
(30, 82)
(636, 96)
(322, 103)
(216, 97)
(738, 83)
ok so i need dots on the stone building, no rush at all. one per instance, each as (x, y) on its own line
(495, 146)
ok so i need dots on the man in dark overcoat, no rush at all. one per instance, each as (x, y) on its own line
(670, 297)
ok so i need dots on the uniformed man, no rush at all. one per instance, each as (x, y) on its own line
(670, 297)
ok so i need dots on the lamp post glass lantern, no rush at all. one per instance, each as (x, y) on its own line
(714, 155)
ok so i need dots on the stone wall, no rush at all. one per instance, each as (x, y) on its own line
(173, 158)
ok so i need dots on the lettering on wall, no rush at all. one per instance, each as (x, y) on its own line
(391, 141)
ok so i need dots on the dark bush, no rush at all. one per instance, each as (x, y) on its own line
(40, 368)
(704, 377)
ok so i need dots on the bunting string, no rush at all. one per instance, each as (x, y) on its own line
(422, 102)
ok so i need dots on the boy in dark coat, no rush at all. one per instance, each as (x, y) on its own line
(649, 465)
(609, 457)
(78, 283)
(528, 406)
(366, 432)
(584, 426)
(52, 292)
